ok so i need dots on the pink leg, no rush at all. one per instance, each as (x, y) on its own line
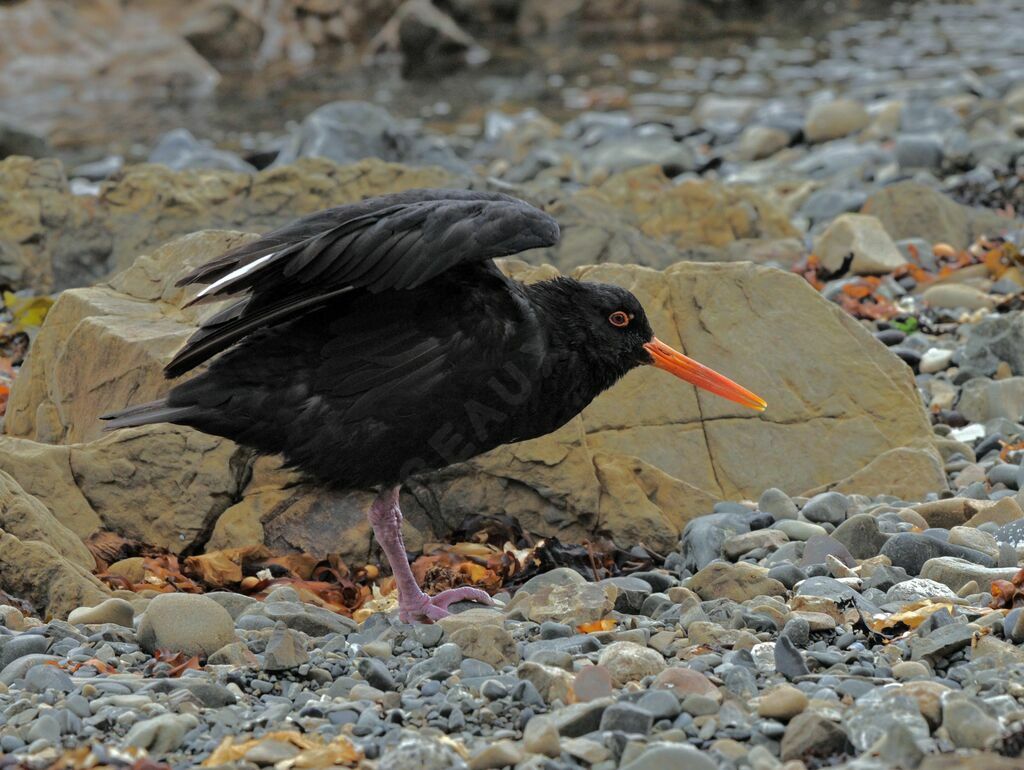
(386, 519)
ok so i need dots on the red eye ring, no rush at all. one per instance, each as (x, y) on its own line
(619, 318)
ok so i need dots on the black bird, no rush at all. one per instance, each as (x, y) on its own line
(378, 339)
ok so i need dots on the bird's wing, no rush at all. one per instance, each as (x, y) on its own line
(394, 242)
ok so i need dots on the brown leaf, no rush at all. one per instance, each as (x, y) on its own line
(596, 626)
(313, 752)
(223, 569)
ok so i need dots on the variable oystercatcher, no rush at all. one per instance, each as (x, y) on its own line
(377, 340)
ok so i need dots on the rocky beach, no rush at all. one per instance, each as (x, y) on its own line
(829, 207)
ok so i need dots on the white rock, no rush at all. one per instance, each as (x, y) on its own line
(864, 238)
(629, 662)
(835, 119)
(935, 360)
(957, 295)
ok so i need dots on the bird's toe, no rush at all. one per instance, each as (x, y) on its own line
(433, 608)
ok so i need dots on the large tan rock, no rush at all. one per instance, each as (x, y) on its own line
(696, 212)
(37, 572)
(638, 464)
(39, 218)
(164, 485)
(28, 519)
(51, 238)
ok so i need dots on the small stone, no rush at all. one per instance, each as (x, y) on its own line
(783, 702)
(897, 748)
(285, 650)
(827, 508)
(235, 654)
(190, 624)
(552, 683)
(738, 582)
(911, 550)
(116, 611)
(591, 683)
(861, 536)
(162, 734)
(44, 728)
(976, 539)
(416, 751)
(22, 646)
(778, 504)
(916, 589)
(48, 679)
(503, 753)
(1013, 626)
(685, 681)
(968, 725)
(812, 735)
(941, 642)
(935, 360)
(489, 643)
(376, 674)
(768, 539)
(572, 604)
(951, 296)
(663, 704)
(540, 736)
(757, 142)
(629, 662)
(907, 670)
(788, 660)
(956, 573)
(627, 718)
(796, 529)
(661, 756)
(270, 751)
(835, 119)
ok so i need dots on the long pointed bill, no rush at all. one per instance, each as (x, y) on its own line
(674, 362)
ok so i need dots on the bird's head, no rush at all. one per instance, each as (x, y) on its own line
(619, 328)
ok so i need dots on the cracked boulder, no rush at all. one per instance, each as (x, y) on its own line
(640, 462)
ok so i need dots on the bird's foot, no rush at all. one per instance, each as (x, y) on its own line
(430, 608)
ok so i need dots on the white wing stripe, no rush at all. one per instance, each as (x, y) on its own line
(220, 283)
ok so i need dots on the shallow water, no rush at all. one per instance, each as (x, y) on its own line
(250, 109)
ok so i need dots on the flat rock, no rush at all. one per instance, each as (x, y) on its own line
(911, 550)
(861, 238)
(738, 582)
(956, 573)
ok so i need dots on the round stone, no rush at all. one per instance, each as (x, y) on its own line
(629, 662)
(187, 623)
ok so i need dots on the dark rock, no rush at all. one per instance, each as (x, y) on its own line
(861, 536)
(811, 735)
(820, 546)
(828, 507)
(941, 642)
(911, 550)
(704, 536)
(376, 674)
(788, 660)
(627, 718)
(787, 574)
(994, 339)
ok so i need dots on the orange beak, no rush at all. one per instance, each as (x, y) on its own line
(674, 362)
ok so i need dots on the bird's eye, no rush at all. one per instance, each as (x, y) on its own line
(618, 318)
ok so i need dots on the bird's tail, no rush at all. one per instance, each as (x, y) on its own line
(144, 414)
